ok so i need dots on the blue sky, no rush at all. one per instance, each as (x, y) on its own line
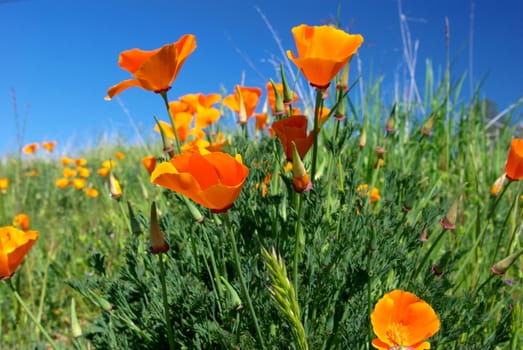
(60, 56)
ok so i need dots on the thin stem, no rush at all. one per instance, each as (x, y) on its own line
(173, 124)
(317, 109)
(427, 255)
(245, 291)
(298, 244)
(170, 336)
(31, 316)
(2, 210)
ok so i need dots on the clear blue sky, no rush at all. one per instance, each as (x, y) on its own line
(60, 56)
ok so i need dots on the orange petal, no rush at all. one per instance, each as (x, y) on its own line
(124, 85)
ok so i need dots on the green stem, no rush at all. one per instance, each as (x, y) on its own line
(500, 234)
(31, 316)
(165, 302)
(245, 291)
(317, 109)
(173, 124)
(427, 255)
(218, 286)
(298, 245)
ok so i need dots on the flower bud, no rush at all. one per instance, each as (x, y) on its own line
(449, 221)
(158, 244)
(300, 179)
(502, 266)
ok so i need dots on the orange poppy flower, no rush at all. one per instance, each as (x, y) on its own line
(109, 164)
(30, 148)
(49, 146)
(68, 172)
(66, 161)
(149, 162)
(21, 221)
(83, 172)
(244, 101)
(62, 183)
(363, 190)
(218, 142)
(32, 173)
(154, 70)
(80, 162)
(291, 129)
(119, 155)
(4, 184)
(401, 320)
(322, 52)
(261, 121)
(91, 192)
(14, 245)
(103, 171)
(206, 117)
(213, 180)
(78, 183)
(514, 164)
(183, 126)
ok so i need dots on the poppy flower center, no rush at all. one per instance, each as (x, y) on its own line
(398, 334)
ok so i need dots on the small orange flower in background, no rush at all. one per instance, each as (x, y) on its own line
(244, 101)
(32, 173)
(80, 162)
(49, 146)
(14, 245)
(30, 148)
(514, 164)
(62, 183)
(103, 171)
(119, 155)
(154, 70)
(291, 129)
(21, 221)
(363, 190)
(4, 184)
(401, 320)
(68, 172)
(261, 120)
(78, 183)
(213, 180)
(183, 126)
(83, 172)
(149, 162)
(66, 161)
(109, 164)
(91, 192)
(322, 52)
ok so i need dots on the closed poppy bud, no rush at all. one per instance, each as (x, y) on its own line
(449, 221)
(502, 266)
(288, 95)
(21, 221)
(14, 245)
(389, 126)
(114, 187)
(341, 109)
(213, 180)
(300, 179)
(4, 184)
(363, 138)
(514, 164)
(497, 185)
(158, 244)
(428, 124)
(275, 98)
(322, 52)
(343, 83)
(154, 70)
